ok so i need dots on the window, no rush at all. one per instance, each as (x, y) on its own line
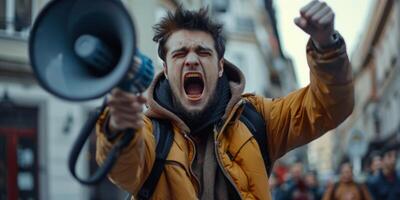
(2, 14)
(23, 14)
(15, 17)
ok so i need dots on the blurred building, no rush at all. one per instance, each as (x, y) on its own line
(37, 129)
(376, 65)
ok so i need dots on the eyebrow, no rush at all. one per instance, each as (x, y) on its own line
(198, 48)
(203, 48)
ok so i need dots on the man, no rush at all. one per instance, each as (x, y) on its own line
(347, 188)
(313, 185)
(214, 155)
(386, 184)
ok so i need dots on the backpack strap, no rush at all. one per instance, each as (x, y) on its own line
(257, 126)
(164, 137)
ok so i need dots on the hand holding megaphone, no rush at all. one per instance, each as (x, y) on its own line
(125, 111)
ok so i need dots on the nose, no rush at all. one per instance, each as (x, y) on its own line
(192, 60)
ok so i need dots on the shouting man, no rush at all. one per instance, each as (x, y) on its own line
(214, 155)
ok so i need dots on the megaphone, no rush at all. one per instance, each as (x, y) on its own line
(80, 50)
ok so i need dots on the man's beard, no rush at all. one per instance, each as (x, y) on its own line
(196, 115)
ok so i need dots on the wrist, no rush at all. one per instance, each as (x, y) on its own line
(326, 43)
(110, 131)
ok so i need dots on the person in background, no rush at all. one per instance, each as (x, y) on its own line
(347, 188)
(274, 186)
(386, 184)
(295, 187)
(313, 185)
(374, 167)
(281, 171)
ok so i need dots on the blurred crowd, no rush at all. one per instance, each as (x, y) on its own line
(382, 181)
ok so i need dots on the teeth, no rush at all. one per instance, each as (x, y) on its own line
(192, 75)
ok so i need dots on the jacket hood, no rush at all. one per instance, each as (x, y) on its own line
(236, 83)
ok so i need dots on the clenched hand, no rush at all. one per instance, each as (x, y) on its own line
(317, 19)
(125, 110)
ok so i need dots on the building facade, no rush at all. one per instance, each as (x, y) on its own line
(37, 129)
(376, 65)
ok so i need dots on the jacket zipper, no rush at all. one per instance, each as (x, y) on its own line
(220, 164)
(191, 162)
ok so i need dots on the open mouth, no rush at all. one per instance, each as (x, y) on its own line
(193, 85)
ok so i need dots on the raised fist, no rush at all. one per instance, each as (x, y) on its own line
(317, 19)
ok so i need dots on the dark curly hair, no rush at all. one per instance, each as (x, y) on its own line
(183, 19)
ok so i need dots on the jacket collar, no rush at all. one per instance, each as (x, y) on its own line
(236, 84)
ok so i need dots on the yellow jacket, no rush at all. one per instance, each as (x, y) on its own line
(292, 121)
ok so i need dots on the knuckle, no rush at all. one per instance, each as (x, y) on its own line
(139, 109)
(134, 104)
(134, 108)
(314, 18)
(138, 106)
(117, 120)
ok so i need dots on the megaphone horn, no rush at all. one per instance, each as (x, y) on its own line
(81, 49)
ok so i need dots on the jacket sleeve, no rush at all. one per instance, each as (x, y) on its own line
(135, 161)
(307, 113)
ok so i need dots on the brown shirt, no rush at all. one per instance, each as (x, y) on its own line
(347, 191)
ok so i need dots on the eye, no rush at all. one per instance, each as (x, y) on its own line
(204, 53)
(179, 55)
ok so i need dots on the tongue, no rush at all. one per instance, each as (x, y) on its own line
(194, 89)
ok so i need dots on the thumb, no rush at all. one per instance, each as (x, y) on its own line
(301, 23)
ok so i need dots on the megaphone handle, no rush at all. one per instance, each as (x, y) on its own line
(84, 134)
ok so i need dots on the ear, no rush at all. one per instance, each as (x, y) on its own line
(165, 69)
(221, 67)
